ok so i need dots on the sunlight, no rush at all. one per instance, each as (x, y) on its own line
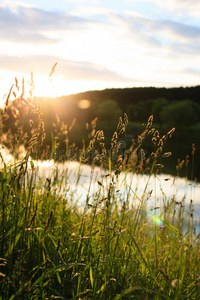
(56, 86)
(49, 87)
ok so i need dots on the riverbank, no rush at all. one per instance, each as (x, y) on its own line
(115, 247)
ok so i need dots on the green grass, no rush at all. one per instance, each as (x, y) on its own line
(51, 248)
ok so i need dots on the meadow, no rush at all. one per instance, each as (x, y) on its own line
(107, 248)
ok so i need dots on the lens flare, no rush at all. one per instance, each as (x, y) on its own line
(158, 221)
(84, 104)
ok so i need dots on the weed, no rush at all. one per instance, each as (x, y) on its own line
(50, 248)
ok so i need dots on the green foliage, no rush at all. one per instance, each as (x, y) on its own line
(138, 103)
(139, 111)
(158, 105)
(180, 114)
(111, 247)
(108, 110)
(131, 112)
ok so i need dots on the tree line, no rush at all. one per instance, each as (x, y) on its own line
(173, 107)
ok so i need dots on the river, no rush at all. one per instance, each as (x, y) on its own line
(80, 182)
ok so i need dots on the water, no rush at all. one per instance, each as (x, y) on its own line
(82, 182)
(159, 188)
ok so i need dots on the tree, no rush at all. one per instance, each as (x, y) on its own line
(157, 106)
(131, 112)
(140, 111)
(108, 110)
(180, 114)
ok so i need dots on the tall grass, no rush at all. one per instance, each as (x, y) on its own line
(50, 248)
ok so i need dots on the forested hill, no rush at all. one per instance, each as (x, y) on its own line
(138, 102)
(170, 107)
(125, 96)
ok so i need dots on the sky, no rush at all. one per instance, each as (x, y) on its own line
(98, 44)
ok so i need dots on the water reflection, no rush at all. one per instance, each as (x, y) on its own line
(81, 183)
(159, 188)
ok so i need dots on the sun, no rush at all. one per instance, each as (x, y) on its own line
(57, 86)
(49, 87)
(41, 85)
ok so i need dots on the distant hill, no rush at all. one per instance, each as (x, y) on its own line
(125, 96)
(175, 110)
(67, 107)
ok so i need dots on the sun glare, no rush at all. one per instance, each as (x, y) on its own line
(47, 87)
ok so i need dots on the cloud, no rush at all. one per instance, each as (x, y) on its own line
(42, 64)
(140, 30)
(183, 39)
(25, 24)
(85, 2)
(33, 25)
(189, 51)
(25, 36)
(99, 44)
(164, 34)
(178, 30)
(192, 71)
(179, 7)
